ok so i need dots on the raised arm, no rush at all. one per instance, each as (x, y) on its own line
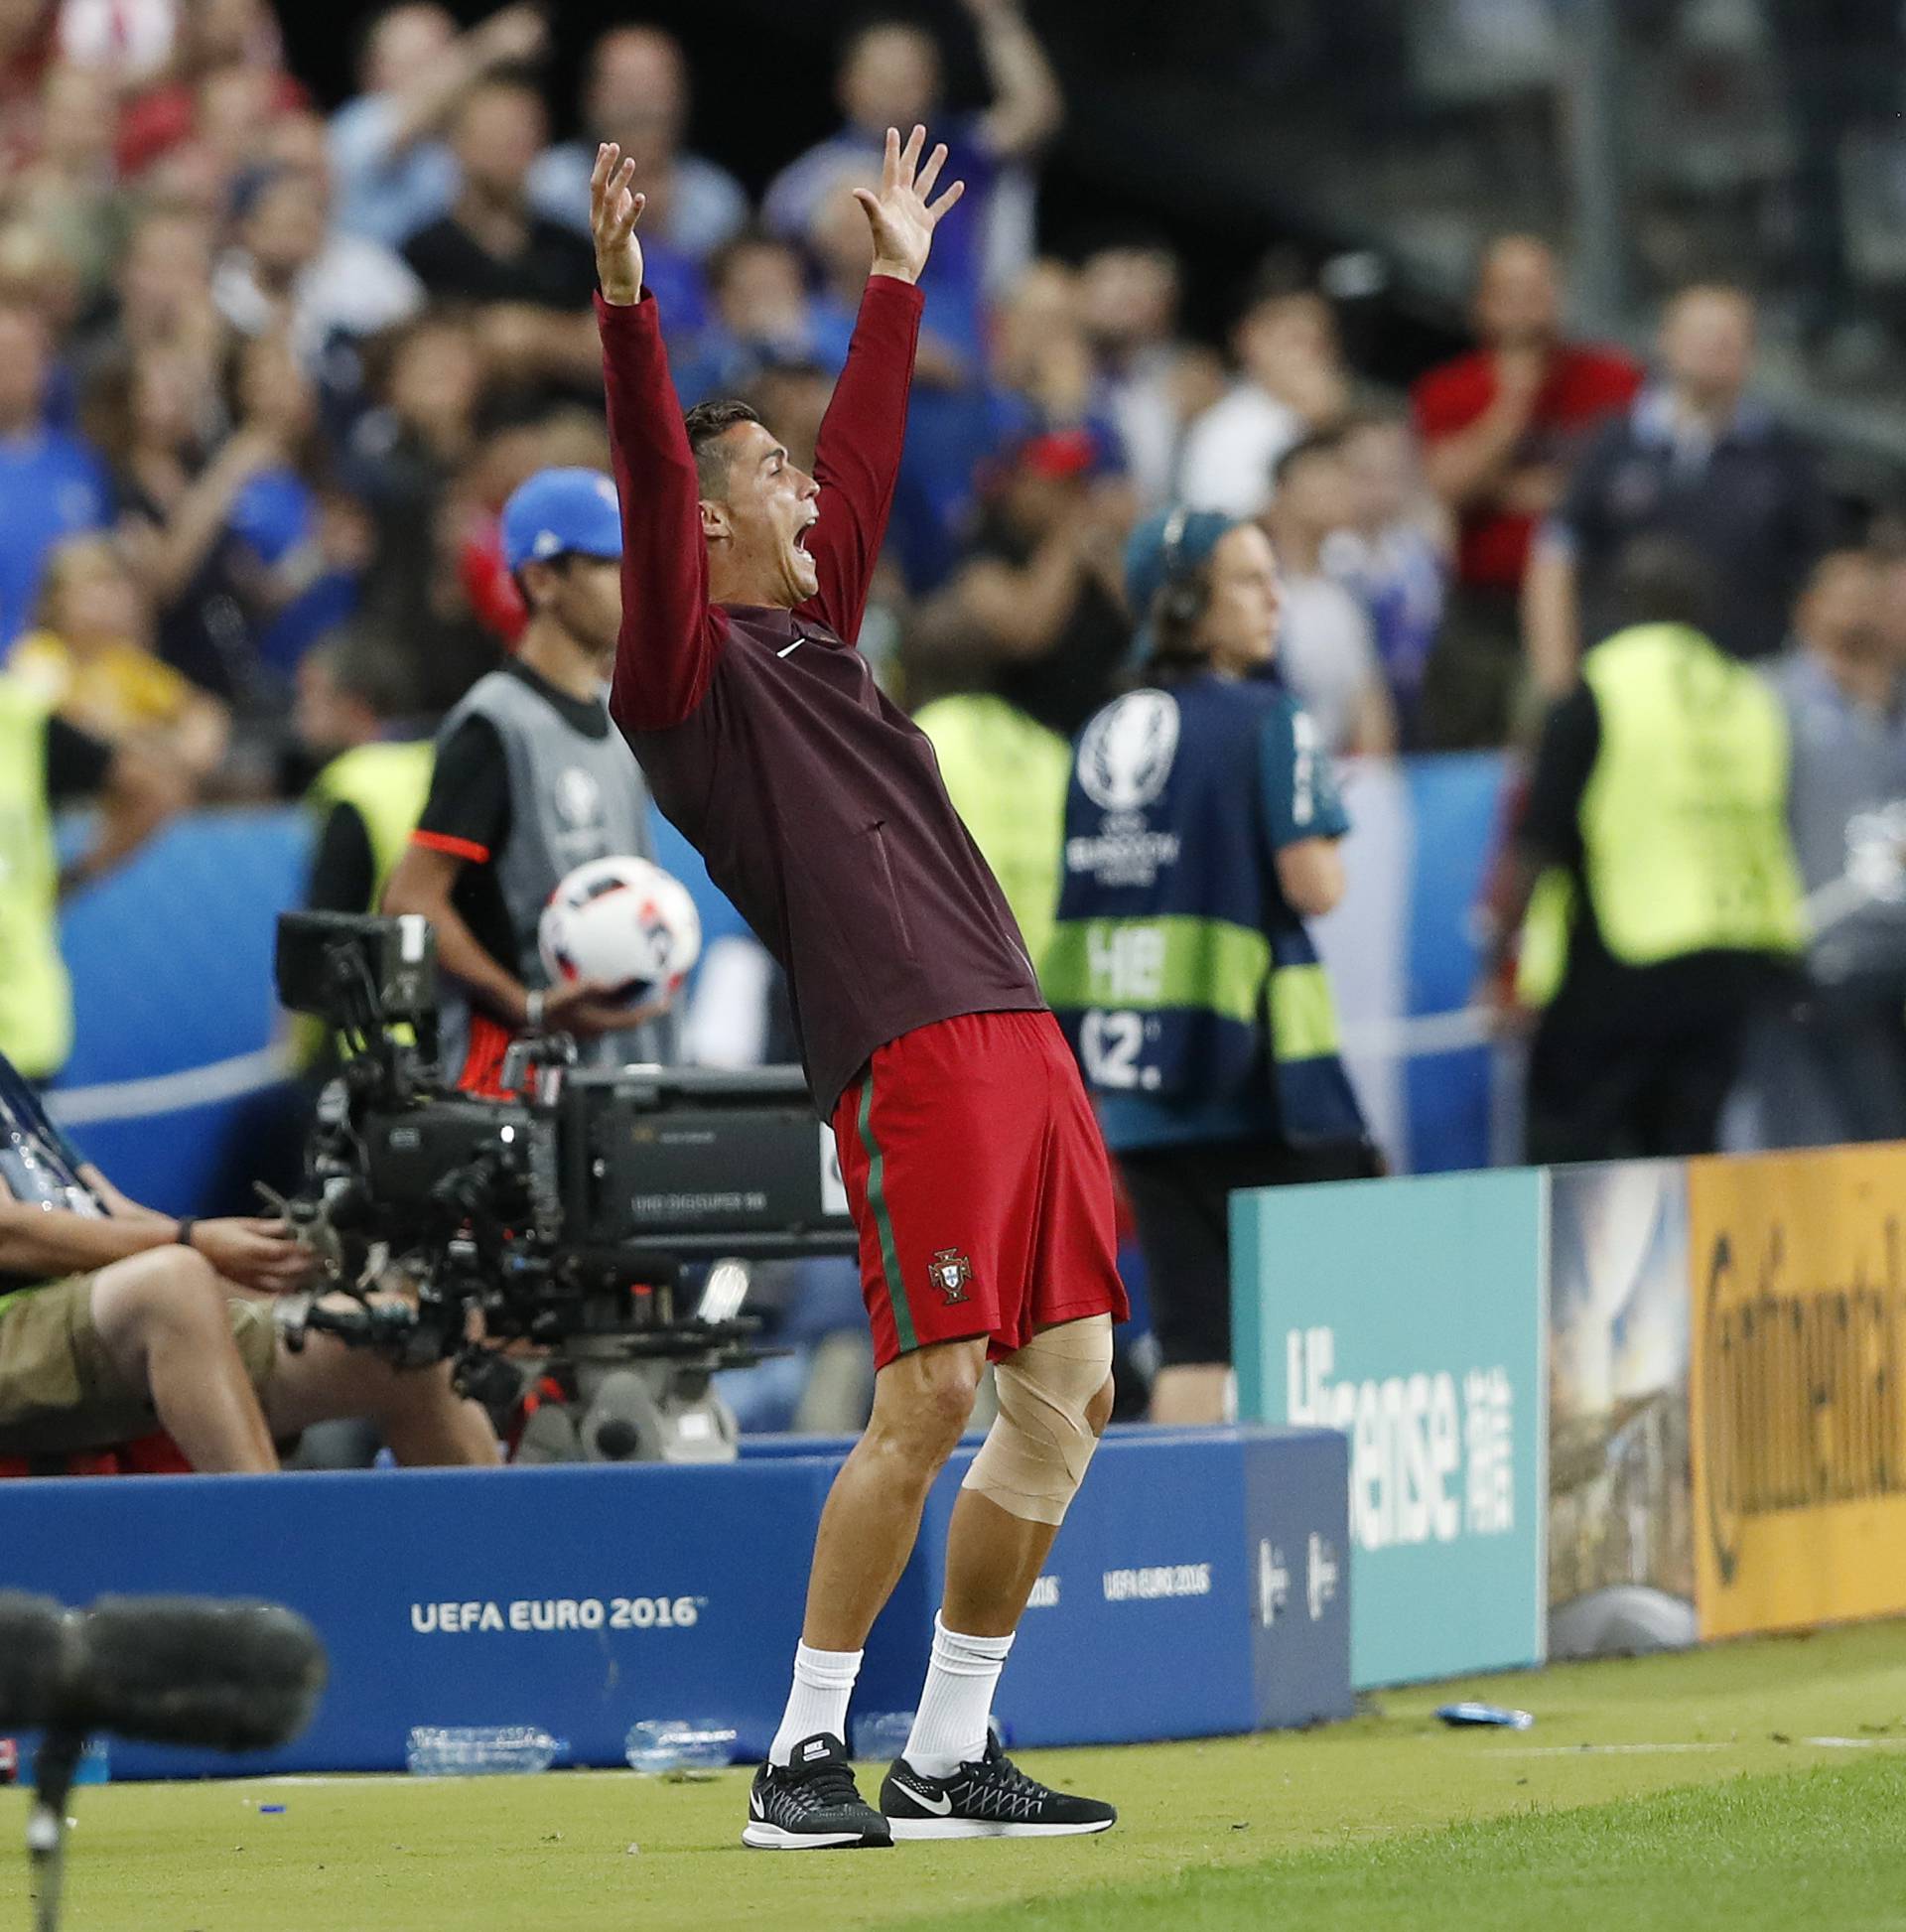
(670, 632)
(858, 456)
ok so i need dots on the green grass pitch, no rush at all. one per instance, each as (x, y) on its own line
(1750, 1787)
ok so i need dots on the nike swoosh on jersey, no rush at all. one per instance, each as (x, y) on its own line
(940, 1807)
(792, 648)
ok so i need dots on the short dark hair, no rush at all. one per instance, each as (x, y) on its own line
(373, 666)
(707, 423)
(1326, 441)
(1662, 580)
(865, 24)
(751, 240)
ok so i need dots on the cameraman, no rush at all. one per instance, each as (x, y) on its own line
(115, 1321)
(531, 781)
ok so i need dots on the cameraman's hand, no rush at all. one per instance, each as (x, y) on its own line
(263, 1256)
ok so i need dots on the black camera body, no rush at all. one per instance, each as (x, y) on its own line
(564, 1217)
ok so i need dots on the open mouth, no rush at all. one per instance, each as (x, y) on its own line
(801, 535)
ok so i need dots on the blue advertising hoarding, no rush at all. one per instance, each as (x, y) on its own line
(1411, 1315)
(584, 1599)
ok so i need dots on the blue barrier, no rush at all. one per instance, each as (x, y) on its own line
(1198, 1587)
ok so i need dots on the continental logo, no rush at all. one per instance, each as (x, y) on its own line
(1803, 1403)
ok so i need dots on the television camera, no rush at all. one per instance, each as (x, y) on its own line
(559, 1223)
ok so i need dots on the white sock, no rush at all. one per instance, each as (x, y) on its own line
(823, 1683)
(949, 1728)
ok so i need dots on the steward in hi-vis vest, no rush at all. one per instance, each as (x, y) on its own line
(1201, 830)
(1667, 902)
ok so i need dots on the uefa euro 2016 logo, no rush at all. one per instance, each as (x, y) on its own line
(1127, 751)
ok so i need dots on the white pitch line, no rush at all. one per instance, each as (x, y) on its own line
(1609, 1751)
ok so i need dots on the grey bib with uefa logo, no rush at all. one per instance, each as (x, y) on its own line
(572, 798)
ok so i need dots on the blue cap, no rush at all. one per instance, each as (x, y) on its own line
(1168, 547)
(560, 513)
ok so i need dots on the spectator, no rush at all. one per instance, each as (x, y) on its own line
(890, 76)
(1326, 645)
(637, 94)
(45, 764)
(403, 460)
(230, 50)
(91, 659)
(69, 189)
(761, 312)
(37, 274)
(1293, 381)
(205, 533)
(531, 281)
(1040, 596)
(395, 171)
(1695, 460)
(1147, 375)
(26, 49)
(1835, 1068)
(1664, 902)
(52, 485)
(289, 270)
(1502, 427)
(1393, 556)
(162, 293)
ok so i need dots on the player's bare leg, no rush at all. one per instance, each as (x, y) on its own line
(921, 1404)
(162, 1318)
(993, 1559)
(953, 1780)
(804, 1796)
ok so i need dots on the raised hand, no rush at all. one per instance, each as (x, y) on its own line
(900, 216)
(614, 210)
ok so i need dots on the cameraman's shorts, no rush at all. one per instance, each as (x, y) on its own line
(59, 1388)
(980, 1186)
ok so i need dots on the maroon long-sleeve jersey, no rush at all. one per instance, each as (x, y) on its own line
(816, 803)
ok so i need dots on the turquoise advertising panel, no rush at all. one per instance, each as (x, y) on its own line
(1410, 1314)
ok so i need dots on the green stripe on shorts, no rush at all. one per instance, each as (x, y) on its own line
(884, 1225)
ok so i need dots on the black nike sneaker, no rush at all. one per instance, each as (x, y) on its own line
(991, 1798)
(811, 1804)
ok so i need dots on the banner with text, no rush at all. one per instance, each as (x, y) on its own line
(1196, 1587)
(1799, 1367)
(1621, 1560)
(1409, 1313)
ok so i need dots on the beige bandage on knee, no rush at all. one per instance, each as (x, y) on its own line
(1035, 1456)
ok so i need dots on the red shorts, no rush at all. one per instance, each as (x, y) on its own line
(980, 1186)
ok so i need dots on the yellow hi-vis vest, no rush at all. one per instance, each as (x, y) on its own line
(36, 997)
(1007, 776)
(386, 783)
(1684, 819)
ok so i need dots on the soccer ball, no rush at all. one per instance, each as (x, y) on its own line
(625, 923)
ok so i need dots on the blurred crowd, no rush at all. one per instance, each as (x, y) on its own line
(269, 368)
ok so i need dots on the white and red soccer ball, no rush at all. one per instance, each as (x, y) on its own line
(625, 923)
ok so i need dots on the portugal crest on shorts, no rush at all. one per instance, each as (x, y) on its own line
(951, 1271)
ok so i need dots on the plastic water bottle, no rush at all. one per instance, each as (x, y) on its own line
(479, 1750)
(881, 1735)
(680, 1745)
